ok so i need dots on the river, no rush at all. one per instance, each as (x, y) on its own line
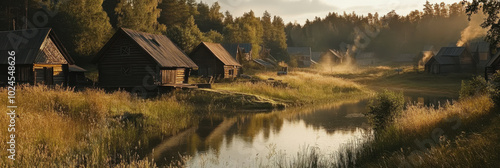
(252, 140)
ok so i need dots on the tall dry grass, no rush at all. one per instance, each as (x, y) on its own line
(434, 137)
(57, 127)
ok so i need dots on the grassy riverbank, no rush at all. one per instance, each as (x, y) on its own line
(461, 134)
(58, 127)
(458, 135)
(464, 134)
(297, 88)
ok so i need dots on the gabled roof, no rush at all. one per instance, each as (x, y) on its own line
(299, 50)
(219, 52)
(451, 51)
(159, 47)
(27, 51)
(232, 48)
(264, 63)
(449, 55)
(75, 68)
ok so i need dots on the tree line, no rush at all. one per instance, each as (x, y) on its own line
(85, 26)
(437, 24)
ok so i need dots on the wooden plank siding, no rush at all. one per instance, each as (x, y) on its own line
(50, 74)
(210, 65)
(207, 63)
(230, 71)
(125, 64)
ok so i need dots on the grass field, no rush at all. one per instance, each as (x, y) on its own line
(384, 77)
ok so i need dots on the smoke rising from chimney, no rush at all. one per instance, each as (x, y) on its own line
(426, 56)
(474, 30)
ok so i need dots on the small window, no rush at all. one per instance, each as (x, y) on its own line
(231, 72)
(125, 50)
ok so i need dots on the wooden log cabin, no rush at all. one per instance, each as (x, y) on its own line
(214, 61)
(451, 60)
(132, 58)
(40, 57)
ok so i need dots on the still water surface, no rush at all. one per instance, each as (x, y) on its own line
(250, 140)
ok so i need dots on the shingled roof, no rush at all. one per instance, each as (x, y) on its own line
(220, 53)
(449, 55)
(29, 48)
(163, 51)
(451, 51)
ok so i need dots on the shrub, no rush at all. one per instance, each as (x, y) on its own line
(495, 85)
(476, 86)
(384, 107)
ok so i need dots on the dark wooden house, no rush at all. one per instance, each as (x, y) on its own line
(213, 60)
(132, 58)
(40, 57)
(451, 60)
(480, 51)
(492, 66)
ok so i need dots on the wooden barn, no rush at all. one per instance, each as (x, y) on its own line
(213, 60)
(492, 66)
(40, 58)
(132, 58)
(451, 60)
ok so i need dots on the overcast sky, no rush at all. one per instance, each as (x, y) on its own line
(300, 10)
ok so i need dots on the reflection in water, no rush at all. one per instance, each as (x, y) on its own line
(253, 139)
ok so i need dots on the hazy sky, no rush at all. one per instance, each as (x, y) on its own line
(300, 10)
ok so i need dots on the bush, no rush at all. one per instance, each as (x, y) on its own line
(495, 88)
(476, 86)
(384, 107)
